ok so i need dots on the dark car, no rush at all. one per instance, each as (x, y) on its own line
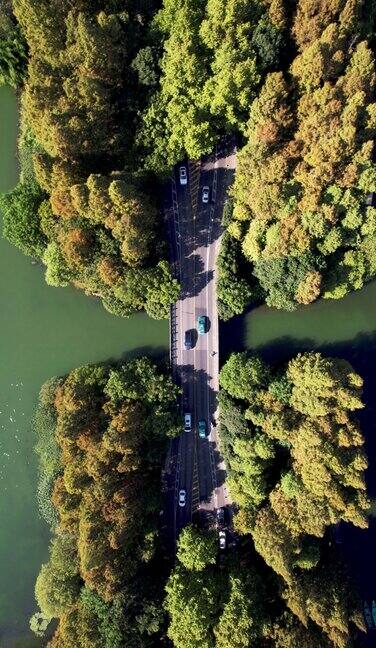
(202, 429)
(188, 339)
(220, 516)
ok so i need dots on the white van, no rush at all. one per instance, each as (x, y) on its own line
(187, 422)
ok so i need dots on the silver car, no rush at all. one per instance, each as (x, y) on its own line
(222, 539)
(187, 422)
(205, 194)
(183, 177)
(182, 497)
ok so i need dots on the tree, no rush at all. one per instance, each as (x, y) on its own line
(244, 618)
(58, 582)
(299, 193)
(196, 550)
(192, 602)
(145, 65)
(21, 222)
(13, 52)
(95, 229)
(234, 292)
(297, 467)
(322, 385)
(243, 45)
(244, 375)
(110, 426)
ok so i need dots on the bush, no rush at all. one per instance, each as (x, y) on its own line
(21, 225)
(13, 52)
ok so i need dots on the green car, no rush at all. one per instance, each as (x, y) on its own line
(201, 324)
(202, 429)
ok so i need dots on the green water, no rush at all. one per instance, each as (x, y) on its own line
(324, 323)
(44, 332)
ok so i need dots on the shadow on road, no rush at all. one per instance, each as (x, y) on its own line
(194, 267)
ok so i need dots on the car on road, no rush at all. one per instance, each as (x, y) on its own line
(202, 428)
(182, 498)
(205, 195)
(222, 539)
(220, 516)
(201, 324)
(187, 422)
(188, 340)
(183, 176)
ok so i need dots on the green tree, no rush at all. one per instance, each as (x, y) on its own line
(21, 225)
(244, 619)
(58, 583)
(244, 375)
(299, 193)
(13, 52)
(322, 385)
(196, 549)
(192, 602)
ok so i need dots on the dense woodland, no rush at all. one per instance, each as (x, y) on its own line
(297, 468)
(215, 55)
(102, 434)
(301, 218)
(82, 206)
(116, 92)
(230, 602)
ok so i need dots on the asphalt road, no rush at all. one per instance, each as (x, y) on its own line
(195, 465)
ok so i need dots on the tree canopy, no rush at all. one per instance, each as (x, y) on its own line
(215, 56)
(302, 215)
(296, 468)
(102, 435)
(82, 205)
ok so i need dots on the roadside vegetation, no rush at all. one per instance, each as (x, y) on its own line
(300, 217)
(215, 55)
(102, 434)
(212, 607)
(296, 463)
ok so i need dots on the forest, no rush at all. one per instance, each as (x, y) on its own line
(112, 94)
(83, 206)
(115, 93)
(102, 434)
(296, 465)
(296, 461)
(303, 223)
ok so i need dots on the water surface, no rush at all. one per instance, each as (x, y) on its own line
(44, 332)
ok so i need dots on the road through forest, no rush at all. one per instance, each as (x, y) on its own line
(195, 465)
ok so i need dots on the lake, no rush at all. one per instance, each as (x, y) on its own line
(44, 332)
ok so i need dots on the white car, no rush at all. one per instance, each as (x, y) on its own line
(222, 539)
(187, 422)
(205, 195)
(182, 497)
(183, 177)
